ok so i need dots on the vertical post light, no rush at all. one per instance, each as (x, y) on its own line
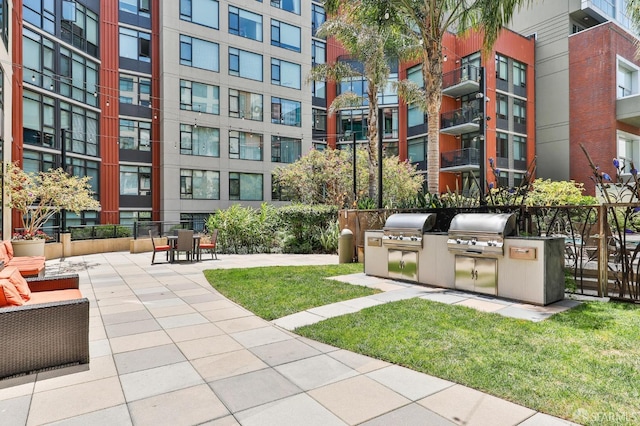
(483, 135)
(63, 164)
(380, 129)
(355, 182)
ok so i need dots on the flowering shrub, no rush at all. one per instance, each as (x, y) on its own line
(38, 196)
(24, 235)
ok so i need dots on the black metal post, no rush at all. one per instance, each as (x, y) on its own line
(63, 161)
(380, 130)
(483, 134)
(355, 182)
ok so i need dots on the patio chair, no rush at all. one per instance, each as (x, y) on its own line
(208, 243)
(158, 248)
(184, 244)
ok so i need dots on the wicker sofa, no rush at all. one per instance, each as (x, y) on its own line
(29, 266)
(50, 330)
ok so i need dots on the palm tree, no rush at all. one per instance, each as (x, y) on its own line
(371, 44)
(428, 20)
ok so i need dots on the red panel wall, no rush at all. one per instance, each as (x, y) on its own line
(592, 98)
(109, 127)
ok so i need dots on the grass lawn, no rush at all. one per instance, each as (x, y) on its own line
(583, 364)
(275, 292)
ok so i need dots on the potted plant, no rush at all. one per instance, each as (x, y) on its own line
(38, 196)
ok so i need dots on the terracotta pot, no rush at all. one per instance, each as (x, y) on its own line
(28, 247)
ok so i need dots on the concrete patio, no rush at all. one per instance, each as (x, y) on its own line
(168, 349)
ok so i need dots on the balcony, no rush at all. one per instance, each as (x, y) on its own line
(628, 110)
(461, 81)
(460, 160)
(460, 121)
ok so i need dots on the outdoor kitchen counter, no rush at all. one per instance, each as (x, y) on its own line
(531, 269)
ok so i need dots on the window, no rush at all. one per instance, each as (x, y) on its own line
(135, 45)
(199, 140)
(502, 70)
(245, 105)
(352, 121)
(135, 180)
(135, 90)
(319, 89)
(285, 150)
(4, 21)
(245, 64)
(34, 161)
(284, 111)
(417, 149)
(415, 116)
(245, 146)
(318, 52)
(502, 145)
(319, 119)
(131, 217)
(503, 179)
(627, 79)
(78, 77)
(195, 221)
(628, 150)
(519, 74)
(201, 12)
(285, 36)
(502, 106)
(292, 6)
(135, 7)
(245, 186)
(519, 148)
(415, 74)
(285, 74)
(519, 111)
(40, 13)
(390, 123)
(38, 123)
(245, 24)
(206, 53)
(357, 85)
(388, 94)
(318, 16)
(135, 135)
(81, 167)
(199, 97)
(199, 184)
(38, 60)
(79, 26)
(81, 129)
(279, 193)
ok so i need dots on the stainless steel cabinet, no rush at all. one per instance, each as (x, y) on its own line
(403, 265)
(477, 274)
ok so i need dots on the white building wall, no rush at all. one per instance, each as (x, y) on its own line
(171, 116)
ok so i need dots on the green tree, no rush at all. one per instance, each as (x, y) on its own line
(372, 44)
(427, 21)
(325, 177)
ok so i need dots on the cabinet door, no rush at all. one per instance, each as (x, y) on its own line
(403, 265)
(486, 275)
(465, 273)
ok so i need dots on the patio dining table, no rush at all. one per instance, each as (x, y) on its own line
(172, 240)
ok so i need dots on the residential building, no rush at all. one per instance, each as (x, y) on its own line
(173, 108)
(506, 93)
(587, 86)
(6, 90)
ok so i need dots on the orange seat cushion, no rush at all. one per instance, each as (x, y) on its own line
(207, 245)
(54, 296)
(9, 247)
(4, 255)
(21, 285)
(159, 248)
(9, 295)
(28, 265)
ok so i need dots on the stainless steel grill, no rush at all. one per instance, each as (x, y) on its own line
(404, 231)
(480, 233)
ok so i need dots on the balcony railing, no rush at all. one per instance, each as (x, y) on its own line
(461, 81)
(466, 158)
(459, 121)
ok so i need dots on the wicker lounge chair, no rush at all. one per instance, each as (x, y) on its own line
(41, 336)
